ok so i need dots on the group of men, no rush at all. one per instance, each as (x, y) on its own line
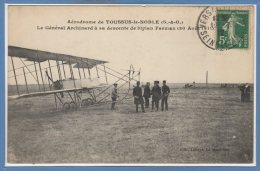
(156, 92)
(161, 93)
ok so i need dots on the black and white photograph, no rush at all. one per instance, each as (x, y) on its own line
(134, 85)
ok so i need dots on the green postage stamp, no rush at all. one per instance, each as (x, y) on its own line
(232, 29)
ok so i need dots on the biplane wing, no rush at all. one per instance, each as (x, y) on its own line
(70, 77)
(41, 56)
(45, 93)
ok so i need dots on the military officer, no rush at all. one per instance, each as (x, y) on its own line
(147, 94)
(165, 94)
(114, 96)
(138, 97)
(156, 95)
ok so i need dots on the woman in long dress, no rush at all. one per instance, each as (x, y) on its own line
(230, 27)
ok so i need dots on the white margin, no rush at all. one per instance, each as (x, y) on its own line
(111, 164)
(6, 76)
(255, 82)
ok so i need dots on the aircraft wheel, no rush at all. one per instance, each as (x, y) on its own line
(66, 106)
(87, 102)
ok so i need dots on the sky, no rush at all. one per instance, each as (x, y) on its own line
(175, 56)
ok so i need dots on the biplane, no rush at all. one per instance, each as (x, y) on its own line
(74, 81)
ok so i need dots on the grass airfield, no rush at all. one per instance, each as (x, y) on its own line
(202, 125)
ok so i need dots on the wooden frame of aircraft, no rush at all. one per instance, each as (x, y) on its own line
(66, 84)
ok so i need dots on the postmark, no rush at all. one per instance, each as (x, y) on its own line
(207, 27)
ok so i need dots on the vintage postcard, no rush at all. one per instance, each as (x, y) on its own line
(130, 85)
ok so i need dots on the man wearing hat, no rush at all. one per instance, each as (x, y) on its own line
(138, 96)
(114, 96)
(147, 94)
(165, 94)
(156, 95)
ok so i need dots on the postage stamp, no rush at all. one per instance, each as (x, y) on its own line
(232, 29)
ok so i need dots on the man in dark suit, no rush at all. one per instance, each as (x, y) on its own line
(138, 97)
(241, 88)
(165, 94)
(147, 94)
(156, 95)
(245, 92)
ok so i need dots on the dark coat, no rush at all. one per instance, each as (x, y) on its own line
(242, 88)
(147, 92)
(165, 90)
(156, 92)
(138, 95)
(245, 93)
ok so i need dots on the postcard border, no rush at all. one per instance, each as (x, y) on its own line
(3, 88)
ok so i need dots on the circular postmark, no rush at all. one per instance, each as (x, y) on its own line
(206, 25)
